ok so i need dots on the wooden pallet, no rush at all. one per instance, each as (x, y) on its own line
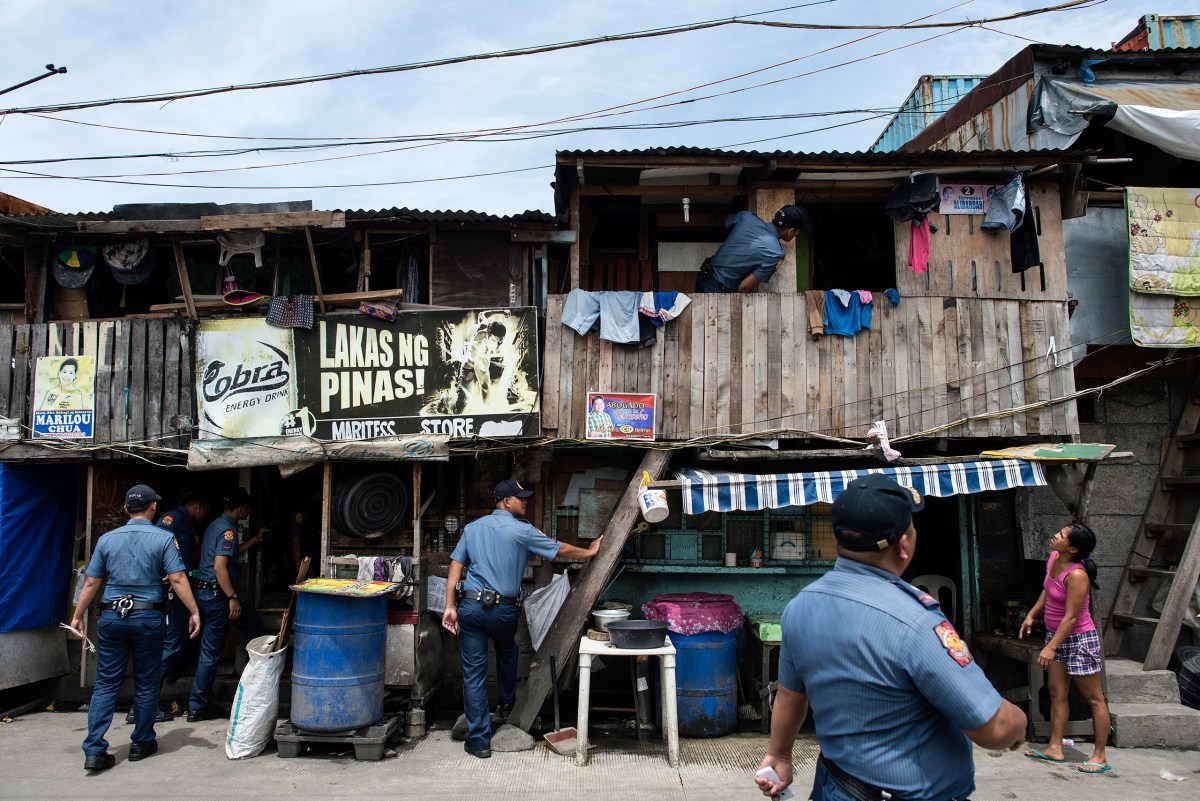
(369, 742)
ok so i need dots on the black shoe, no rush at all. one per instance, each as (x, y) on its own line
(138, 751)
(161, 716)
(208, 713)
(502, 712)
(482, 753)
(99, 762)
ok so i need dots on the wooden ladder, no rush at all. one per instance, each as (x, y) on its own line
(1170, 530)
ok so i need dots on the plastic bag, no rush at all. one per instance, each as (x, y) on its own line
(252, 721)
(541, 607)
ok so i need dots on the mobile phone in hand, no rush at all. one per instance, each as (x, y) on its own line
(770, 775)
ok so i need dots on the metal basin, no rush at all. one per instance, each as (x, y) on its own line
(637, 633)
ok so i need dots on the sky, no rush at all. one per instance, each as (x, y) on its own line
(152, 47)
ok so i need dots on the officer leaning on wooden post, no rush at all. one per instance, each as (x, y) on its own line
(133, 558)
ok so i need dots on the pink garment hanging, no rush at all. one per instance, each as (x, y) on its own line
(865, 295)
(918, 246)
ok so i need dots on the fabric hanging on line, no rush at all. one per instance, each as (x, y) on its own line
(843, 297)
(291, 311)
(865, 295)
(915, 197)
(1007, 207)
(618, 313)
(846, 320)
(918, 246)
(893, 295)
(815, 300)
(659, 307)
(1024, 244)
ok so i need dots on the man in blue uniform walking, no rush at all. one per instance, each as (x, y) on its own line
(751, 252)
(895, 694)
(216, 594)
(134, 558)
(493, 552)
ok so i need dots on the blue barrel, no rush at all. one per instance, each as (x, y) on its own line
(338, 661)
(706, 683)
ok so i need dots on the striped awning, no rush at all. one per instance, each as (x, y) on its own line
(705, 491)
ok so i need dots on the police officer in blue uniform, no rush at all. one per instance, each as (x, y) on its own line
(896, 697)
(181, 521)
(751, 252)
(216, 594)
(133, 558)
(493, 552)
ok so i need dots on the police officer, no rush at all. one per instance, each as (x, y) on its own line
(133, 558)
(216, 594)
(181, 521)
(751, 252)
(493, 551)
(895, 694)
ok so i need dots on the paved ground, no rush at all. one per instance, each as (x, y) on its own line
(40, 758)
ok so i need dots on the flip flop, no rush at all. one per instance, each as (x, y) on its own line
(1098, 768)
(1035, 754)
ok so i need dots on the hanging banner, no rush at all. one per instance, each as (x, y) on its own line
(459, 372)
(64, 391)
(620, 415)
(966, 198)
(245, 379)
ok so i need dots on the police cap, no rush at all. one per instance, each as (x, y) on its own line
(876, 507)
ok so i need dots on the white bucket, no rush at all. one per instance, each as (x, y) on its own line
(654, 505)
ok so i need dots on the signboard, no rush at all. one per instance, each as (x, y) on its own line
(64, 391)
(966, 198)
(459, 373)
(245, 378)
(620, 415)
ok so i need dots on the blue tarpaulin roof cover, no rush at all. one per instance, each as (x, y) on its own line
(37, 515)
(727, 492)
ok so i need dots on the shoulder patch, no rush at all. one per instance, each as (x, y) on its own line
(299, 518)
(228, 535)
(927, 599)
(166, 520)
(953, 644)
(176, 544)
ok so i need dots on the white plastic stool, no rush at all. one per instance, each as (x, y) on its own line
(670, 714)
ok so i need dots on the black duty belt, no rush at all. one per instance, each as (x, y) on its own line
(500, 599)
(201, 584)
(856, 788)
(707, 271)
(123, 606)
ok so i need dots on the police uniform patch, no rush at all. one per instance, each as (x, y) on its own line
(953, 644)
(927, 599)
(299, 518)
(166, 520)
(229, 535)
(176, 544)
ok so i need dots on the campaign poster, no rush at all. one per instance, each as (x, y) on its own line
(245, 379)
(620, 415)
(966, 198)
(463, 373)
(64, 391)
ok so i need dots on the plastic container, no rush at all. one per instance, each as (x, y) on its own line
(654, 505)
(338, 662)
(706, 683)
(637, 633)
(603, 617)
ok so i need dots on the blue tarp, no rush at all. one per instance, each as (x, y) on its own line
(37, 524)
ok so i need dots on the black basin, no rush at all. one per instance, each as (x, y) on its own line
(637, 633)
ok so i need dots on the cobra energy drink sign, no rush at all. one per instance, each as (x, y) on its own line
(245, 378)
(64, 397)
(462, 372)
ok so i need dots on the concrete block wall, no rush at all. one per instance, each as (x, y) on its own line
(1135, 417)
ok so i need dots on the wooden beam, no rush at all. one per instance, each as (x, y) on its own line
(575, 256)
(283, 219)
(1162, 644)
(185, 283)
(37, 268)
(326, 515)
(663, 190)
(312, 257)
(336, 299)
(140, 226)
(563, 638)
(557, 237)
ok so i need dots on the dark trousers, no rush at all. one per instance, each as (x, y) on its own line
(476, 626)
(176, 637)
(215, 609)
(140, 635)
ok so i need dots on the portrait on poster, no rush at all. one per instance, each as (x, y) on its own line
(620, 415)
(64, 392)
(966, 198)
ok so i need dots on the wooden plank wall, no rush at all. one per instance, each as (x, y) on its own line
(143, 374)
(743, 364)
(966, 261)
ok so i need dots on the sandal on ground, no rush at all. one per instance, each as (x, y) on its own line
(1093, 767)
(1035, 754)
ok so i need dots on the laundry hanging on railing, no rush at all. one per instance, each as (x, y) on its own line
(618, 312)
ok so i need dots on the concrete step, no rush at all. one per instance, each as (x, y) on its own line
(1129, 684)
(1155, 726)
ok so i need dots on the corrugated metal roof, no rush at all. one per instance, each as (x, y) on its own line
(795, 159)
(930, 99)
(1157, 33)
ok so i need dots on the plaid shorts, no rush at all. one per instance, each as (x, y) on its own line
(1081, 653)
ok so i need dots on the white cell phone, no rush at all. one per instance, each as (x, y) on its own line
(770, 775)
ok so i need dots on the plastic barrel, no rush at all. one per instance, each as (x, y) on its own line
(338, 661)
(706, 683)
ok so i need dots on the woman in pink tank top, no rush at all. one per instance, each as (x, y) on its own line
(1072, 649)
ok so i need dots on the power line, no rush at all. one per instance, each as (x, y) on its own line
(666, 31)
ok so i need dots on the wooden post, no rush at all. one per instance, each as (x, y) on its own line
(563, 638)
(1183, 585)
(185, 283)
(764, 201)
(364, 265)
(326, 511)
(87, 558)
(312, 258)
(37, 267)
(575, 256)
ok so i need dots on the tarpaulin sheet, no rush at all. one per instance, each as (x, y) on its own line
(37, 523)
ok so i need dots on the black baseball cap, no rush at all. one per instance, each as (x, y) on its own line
(793, 217)
(236, 498)
(508, 488)
(139, 498)
(876, 507)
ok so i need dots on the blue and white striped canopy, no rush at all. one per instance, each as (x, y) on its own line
(704, 491)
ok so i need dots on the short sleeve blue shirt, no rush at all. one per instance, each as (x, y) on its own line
(892, 687)
(134, 558)
(496, 549)
(179, 523)
(752, 246)
(220, 539)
